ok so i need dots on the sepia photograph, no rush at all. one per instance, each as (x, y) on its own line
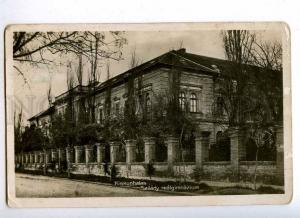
(131, 112)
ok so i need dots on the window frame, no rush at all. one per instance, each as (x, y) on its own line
(193, 103)
(147, 103)
(117, 108)
(182, 101)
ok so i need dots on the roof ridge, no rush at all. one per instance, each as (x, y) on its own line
(205, 67)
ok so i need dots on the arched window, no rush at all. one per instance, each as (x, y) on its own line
(193, 102)
(182, 101)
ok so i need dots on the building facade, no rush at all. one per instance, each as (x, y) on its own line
(198, 94)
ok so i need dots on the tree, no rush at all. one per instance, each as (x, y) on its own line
(267, 55)
(69, 115)
(38, 47)
(49, 94)
(131, 120)
(238, 45)
(27, 44)
(18, 131)
(252, 91)
(262, 135)
(34, 139)
(58, 131)
(242, 48)
(82, 116)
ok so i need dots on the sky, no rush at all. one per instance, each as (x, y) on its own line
(147, 45)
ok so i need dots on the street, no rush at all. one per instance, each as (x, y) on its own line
(43, 186)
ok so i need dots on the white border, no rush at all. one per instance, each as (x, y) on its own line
(51, 11)
(156, 201)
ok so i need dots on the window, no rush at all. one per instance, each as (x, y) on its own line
(117, 107)
(219, 108)
(193, 103)
(219, 136)
(148, 103)
(140, 105)
(234, 86)
(101, 115)
(182, 101)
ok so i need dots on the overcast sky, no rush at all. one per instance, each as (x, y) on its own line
(147, 45)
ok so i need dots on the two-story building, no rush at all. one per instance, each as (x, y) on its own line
(197, 79)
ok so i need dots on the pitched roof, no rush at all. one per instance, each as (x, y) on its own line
(168, 59)
(48, 111)
(198, 63)
(228, 68)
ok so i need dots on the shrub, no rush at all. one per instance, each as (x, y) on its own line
(197, 174)
(105, 168)
(63, 166)
(113, 173)
(52, 165)
(89, 133)
(150, 169)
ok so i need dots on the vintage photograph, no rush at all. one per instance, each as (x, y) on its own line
(155, 111)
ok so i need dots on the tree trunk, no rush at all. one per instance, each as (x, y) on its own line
(255, 169)
(45, 163)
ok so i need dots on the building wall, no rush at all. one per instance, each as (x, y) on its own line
(154, 82)
(203, 86)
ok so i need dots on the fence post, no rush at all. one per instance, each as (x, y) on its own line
(47, 156)
(88, 153)
(114, 147)
(78, 154)
(130, 151)
(172, 143)
(149, 149)
(201, 148)
(69, 159)
(237, 150)
(41, 157)
(36, 157)
(280, 154)
(31, 156)
(54, 155)
(100, 153)
(26, 159)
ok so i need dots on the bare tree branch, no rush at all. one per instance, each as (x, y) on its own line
(23, 76)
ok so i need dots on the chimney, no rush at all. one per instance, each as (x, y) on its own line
(182, 50)
(215, 67)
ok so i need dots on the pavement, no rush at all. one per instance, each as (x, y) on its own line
(42, 187)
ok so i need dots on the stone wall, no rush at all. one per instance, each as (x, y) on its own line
(184, 170)
(216, 171)
(211, 171)
(137, 170)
